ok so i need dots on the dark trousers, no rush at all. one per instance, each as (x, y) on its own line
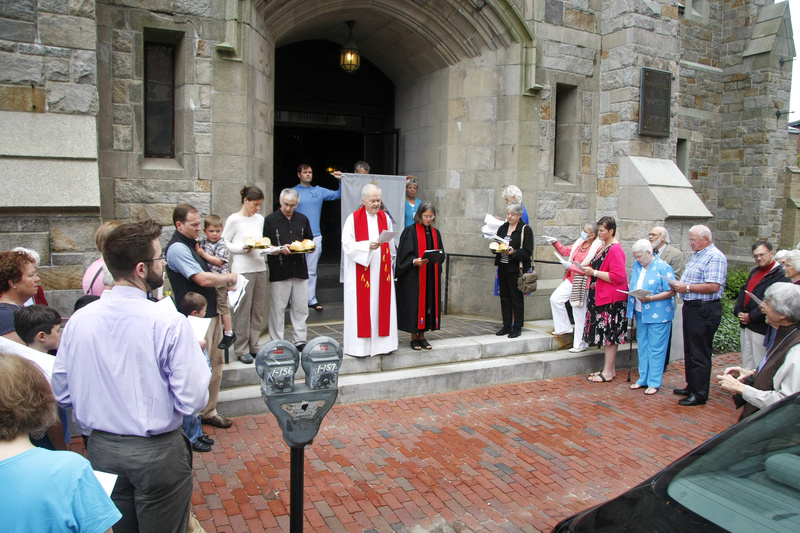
(512, 305)
(700, 323)
(154, 488)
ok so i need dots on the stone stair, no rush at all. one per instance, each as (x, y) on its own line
(453, 364)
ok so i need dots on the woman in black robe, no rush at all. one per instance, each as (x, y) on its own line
(418, 282)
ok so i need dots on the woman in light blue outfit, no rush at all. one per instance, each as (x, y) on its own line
(654, 313)
(412, 202)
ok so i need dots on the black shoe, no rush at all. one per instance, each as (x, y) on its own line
(691, 400)
(505, 331)
(515, 333)
(300, 346)
(205, 439)
(246, 358)
(227, 341)
(681, 392)
(201, 446)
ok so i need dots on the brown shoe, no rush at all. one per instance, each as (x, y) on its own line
(217, 421)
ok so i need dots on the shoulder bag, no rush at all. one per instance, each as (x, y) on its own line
(527, 280)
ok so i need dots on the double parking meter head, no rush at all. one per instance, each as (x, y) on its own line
(300, 407)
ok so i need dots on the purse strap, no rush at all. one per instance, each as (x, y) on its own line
(521, 243)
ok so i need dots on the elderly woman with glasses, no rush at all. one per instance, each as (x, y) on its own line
(418, 285)
(778, 373)
(653, 312)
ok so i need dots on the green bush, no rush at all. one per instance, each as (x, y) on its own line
(727, 337)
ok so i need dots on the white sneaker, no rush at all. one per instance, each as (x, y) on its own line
(561, 332)
(577, 350)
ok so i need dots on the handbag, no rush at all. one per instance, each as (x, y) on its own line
(578, 293)
(526, 282)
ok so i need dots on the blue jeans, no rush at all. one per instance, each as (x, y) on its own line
(192, 427)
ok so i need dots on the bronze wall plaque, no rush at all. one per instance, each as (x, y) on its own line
(655, 95)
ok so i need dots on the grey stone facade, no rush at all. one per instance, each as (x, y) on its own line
(543, 94)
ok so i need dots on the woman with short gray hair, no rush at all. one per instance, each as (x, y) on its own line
(791, 266)
(412, 202)
(778, 374)
(654, 313)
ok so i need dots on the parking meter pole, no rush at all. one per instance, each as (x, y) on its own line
(296, 492)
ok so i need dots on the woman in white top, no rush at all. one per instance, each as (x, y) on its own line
(249, 318)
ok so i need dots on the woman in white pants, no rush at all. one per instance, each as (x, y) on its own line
(573, 288)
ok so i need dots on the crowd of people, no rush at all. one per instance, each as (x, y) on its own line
(142, 385)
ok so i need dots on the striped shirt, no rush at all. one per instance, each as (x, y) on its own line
(706, 266)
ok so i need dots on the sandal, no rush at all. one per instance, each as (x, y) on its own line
(316, 307)
(636, 386)
(650, 391)
(600, 378)
(415, 345)
(425, 344)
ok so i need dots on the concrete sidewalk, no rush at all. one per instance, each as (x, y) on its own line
(514, 457)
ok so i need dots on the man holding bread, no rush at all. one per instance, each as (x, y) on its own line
(288, 272)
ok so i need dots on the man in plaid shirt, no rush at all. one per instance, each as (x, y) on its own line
(701, 288)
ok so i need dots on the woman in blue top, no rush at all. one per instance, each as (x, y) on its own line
(412, 202)
(654, 314)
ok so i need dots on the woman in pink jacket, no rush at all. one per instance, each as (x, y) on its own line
(606, 314)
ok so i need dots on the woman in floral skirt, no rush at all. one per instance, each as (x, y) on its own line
(606, 313)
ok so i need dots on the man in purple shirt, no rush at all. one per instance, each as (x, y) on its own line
(131, 369)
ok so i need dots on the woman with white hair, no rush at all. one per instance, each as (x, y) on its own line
(791, 267)
(654, 313)
(512, 194)
(778, 373)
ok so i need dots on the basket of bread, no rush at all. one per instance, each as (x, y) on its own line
(302, 247)
(253, 242)
(498, 247)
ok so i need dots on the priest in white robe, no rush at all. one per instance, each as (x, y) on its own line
(370, 311)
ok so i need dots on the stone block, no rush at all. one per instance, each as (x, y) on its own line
(84, 67)
(554, 12)
(15, 30)
(607, 187)
(56, 69)
(72, 99)
(82, 8)
(230, 108)
(161, 213)
(24, 10)
(71, 235)
(122, 40)
(35, 241)
(19, 69)
(19, 98)
(580, 20)
(67, 31)
(62, 277)
(62, 259)
(198, 8)
(229, 140)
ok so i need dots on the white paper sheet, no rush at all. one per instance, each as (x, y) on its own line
(387, 235)
(235, 296)
(44, 360)
(638, 293)
(107, 481)
(199, 326)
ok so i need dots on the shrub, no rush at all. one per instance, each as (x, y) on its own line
(726, 339)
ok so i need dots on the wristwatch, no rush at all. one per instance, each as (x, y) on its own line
(688, 289)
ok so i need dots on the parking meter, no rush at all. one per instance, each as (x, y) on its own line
(276, 364)
(322, 358)
(299, 407)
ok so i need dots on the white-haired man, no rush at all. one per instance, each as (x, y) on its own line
(370, 313)
(701, 288)
(659, 238)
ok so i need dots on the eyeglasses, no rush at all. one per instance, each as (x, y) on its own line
(761, 256)
(161, 257)
(429, 217)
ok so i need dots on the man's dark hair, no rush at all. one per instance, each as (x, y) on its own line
(129, 245)
(302, 166)
(29, 321)
(182, 211)
(762, 242)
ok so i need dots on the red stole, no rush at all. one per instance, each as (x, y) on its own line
(422, 243)
(363, 311)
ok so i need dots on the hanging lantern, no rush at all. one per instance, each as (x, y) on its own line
(349, 56)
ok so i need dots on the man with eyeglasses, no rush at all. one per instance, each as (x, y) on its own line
(131, 369)
(752, 320)
(288, 271)
(701, 287)
(188, 272)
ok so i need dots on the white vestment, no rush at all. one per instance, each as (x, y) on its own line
(359, 253)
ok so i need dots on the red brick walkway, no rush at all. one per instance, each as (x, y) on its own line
(506, 458)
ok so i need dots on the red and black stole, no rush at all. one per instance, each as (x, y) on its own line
(364, 311)
(422, 244)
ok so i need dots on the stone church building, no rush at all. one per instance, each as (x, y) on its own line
(653, 111)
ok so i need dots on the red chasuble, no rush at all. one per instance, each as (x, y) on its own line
(423, 277)
(363, 311)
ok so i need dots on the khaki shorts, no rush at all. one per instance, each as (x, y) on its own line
(222, 300)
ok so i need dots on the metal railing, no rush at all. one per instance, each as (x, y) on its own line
(447, 257)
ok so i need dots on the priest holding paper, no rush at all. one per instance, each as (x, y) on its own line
(370, 316)
(419, 255)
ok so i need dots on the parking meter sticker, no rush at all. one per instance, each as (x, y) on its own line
(303, 410)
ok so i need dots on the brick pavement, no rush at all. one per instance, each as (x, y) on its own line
(506, 458)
